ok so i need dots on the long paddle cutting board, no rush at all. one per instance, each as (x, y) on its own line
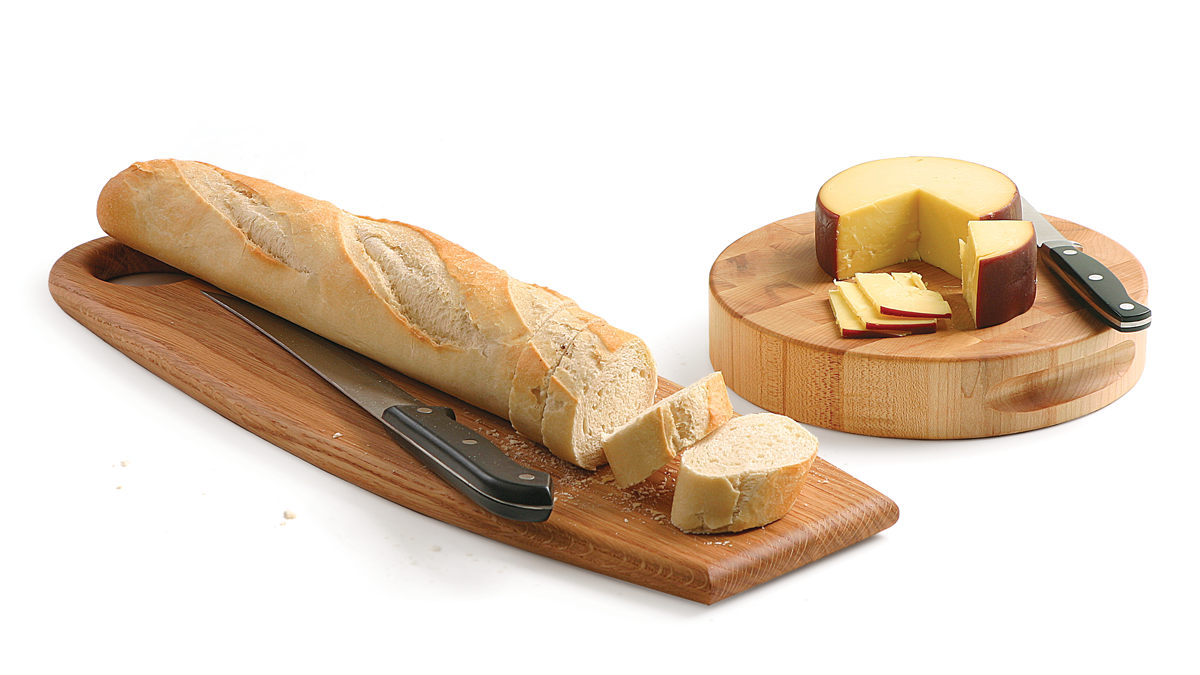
(187, 340)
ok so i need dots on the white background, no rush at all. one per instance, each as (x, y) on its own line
(610, 151)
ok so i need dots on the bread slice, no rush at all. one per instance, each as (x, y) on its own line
(536, 365)
(745, 474)
(656, 435)
(605, 378)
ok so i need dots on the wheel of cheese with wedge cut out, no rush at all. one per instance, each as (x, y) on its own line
(902, 209)
(906, 208)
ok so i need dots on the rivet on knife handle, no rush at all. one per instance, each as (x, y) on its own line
(1096, 285)
(471, 463)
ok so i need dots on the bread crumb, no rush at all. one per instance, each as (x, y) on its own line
(289, 515)
(337, 435)
(124, 462)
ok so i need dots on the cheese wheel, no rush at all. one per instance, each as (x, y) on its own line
(907, 208)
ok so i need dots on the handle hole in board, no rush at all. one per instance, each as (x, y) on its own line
(142, 279)
(1063, 383)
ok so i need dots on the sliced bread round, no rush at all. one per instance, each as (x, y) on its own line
(656, 435)
(745, 474)
(535, 366)
(605, 378)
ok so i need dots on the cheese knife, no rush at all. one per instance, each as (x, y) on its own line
(1094, 283)
(455, 453)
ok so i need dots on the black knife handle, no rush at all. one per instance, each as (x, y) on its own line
(1096, 285)
(471, 463)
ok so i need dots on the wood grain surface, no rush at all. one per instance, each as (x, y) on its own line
(772, 333)
(186, 339)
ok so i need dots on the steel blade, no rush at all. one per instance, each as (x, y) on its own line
(1045, 232)
(338, 365)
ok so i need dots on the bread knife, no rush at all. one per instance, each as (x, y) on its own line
(455, 453)
(1094, 283)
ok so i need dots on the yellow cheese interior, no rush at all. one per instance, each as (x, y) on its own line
(881, 233)
(970, 271)
(910, 279)
(943, 223)
(910, 208)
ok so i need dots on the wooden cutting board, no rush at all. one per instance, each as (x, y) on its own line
(772, 333)
(189, 341)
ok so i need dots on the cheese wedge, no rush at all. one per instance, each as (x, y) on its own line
(848, 323)
(902, 294)
(907, 208)
(873, 320)
(999, 262)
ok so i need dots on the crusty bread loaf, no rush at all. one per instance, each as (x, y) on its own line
(659, 433)
(396, 293)
(745, 474)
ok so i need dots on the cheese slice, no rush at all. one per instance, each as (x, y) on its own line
(873, 320)
(902, 294)
(848, 323)
(999, 262)
(907, 208)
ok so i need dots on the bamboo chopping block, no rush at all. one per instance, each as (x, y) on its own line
(773, 335)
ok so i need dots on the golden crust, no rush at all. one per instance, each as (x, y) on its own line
(461, 326)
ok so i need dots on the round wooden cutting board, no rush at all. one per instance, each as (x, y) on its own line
(773, 335)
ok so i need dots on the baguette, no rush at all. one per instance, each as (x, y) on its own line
(393, 292)
(656, 435)
(745, 474)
